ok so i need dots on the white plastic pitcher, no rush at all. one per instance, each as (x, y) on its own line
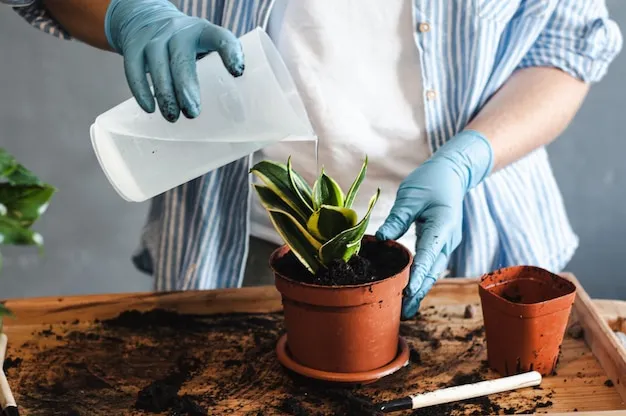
(144, 155)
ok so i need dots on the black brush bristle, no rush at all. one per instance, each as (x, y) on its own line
(404, 403)
(11, 411)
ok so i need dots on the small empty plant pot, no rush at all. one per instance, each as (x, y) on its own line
(525, 310)
(344, 329)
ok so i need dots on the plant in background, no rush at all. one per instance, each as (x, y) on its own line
(318, 224)
(23, 199)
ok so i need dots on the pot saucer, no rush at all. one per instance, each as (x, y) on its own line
(401, 360)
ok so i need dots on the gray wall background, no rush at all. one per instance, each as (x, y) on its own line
(52, 90)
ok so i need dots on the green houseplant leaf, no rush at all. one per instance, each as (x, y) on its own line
(13, 233)
(328, 221)
(14, 173)
(23, 199)
(327, 192)
(303, 245)
(347, 243)
(354, 188)
(276, 177)
(4, 311)
(25, 203)
(7, 164)
(23, 176)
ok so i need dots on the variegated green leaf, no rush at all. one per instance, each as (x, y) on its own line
(270, 200)
(326, 192)
(303, 245)
(275, 176)
(328, 221)
(354, 188)
(347, 243)
(25, 203)
(299, 185)
(13, 233)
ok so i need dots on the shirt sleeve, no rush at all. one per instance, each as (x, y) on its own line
(37, 15)
(579, 38)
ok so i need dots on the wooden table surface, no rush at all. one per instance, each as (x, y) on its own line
(44, 326)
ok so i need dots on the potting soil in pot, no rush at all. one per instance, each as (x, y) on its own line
(375, 261)
(169, 364)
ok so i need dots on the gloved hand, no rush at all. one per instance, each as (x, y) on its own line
(154, 36)
(432, 197)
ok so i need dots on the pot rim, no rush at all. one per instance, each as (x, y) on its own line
(487, 288)
(285, 248)
(557, 304)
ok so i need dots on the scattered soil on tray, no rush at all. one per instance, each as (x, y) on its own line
(466, 378)
(375, 261)
(469, 312)
(415, 356)
(165, 363)
(10, 363)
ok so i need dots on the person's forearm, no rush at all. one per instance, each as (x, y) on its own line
(530, 110)
(83, 19)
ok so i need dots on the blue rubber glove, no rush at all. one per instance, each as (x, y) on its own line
(432, 197)
(155, 37)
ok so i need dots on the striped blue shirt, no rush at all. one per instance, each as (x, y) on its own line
(196, 235)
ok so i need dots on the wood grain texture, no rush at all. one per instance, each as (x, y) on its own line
(580, 382)
(600, 338)
(613, 312)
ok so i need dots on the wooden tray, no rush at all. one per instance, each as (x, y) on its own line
(55, 344)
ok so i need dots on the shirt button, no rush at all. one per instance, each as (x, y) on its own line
(431, 94)
(423, 27)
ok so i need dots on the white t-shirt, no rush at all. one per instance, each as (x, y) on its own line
(358, 71)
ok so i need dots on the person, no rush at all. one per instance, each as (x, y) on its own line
(452, 101)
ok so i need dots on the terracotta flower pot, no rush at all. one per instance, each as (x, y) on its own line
(525, 310)
(343, 329)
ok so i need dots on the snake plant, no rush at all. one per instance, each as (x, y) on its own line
(23, 199)
(316, 222)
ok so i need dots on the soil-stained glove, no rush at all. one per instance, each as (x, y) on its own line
(432, 197)
(155, 37)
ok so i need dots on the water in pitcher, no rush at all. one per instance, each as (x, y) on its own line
(140, 167)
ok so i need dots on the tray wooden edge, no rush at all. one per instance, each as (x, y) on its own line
(53, 310)
(614, 312)
(257, 299)
(600, 338)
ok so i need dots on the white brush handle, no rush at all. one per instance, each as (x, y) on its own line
(3, 346)
(6, 396)
(482, 388)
